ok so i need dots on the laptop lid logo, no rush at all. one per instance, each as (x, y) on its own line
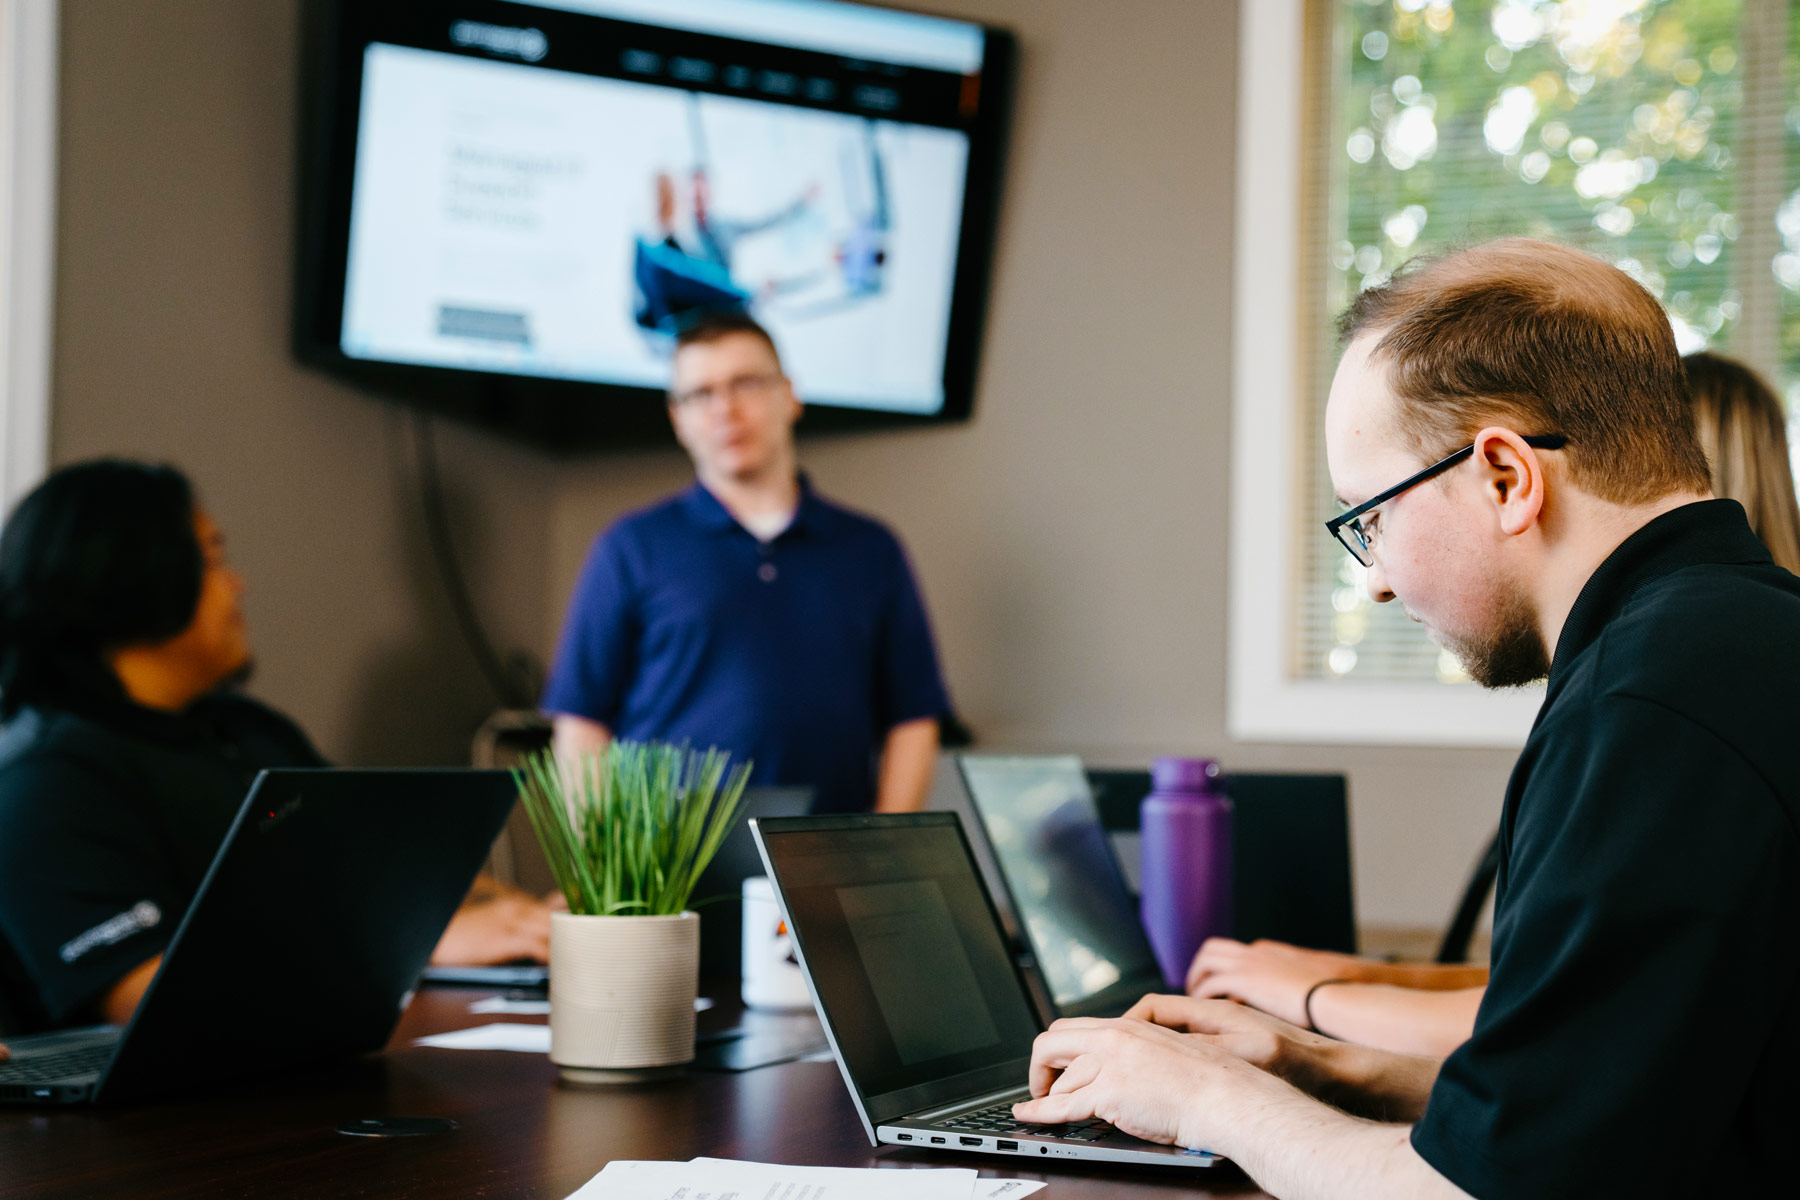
(271, 817)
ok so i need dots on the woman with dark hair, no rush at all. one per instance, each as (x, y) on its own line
(121, 761)
(103, 559)
(125, 754)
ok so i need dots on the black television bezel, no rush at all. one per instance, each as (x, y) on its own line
(571, 415)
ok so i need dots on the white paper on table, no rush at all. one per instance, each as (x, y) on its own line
(717, 1179)
(984, 1189)
(541, 1008)
(501, 1035)
(518, 1008)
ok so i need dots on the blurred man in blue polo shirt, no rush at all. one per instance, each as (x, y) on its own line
(749, 613)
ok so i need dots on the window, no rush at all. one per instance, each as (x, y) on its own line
(27, 205)
(1657, 134)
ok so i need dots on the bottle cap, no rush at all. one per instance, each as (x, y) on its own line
(1176, 774)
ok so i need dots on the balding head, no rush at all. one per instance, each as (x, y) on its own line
(1544, 339)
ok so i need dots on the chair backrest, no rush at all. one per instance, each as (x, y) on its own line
(1290, 855)
(502, 742)
(1455, 946)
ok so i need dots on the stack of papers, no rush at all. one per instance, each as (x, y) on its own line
(725, 1179)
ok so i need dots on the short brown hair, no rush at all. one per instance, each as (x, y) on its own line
(1743, 430)
(712, 324)
(1547, 339)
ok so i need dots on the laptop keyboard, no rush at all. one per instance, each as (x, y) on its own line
(53, 1068)
(996, 1120)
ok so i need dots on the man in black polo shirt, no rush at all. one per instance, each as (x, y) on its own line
(1508, 429)
(124, 756)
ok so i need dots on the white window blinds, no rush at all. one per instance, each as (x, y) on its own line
(1660, 135)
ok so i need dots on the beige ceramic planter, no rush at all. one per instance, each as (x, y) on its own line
(622, 995)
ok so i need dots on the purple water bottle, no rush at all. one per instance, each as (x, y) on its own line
(1185, 861)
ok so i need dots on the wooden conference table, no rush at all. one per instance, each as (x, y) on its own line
(518, 1133)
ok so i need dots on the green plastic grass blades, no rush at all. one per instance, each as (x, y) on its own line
(628, 830)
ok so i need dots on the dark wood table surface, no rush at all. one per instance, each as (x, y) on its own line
(519, 1133)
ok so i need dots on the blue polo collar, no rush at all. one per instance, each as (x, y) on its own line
(711, 516)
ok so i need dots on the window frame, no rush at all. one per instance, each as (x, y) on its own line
(28, 83)
(1266, 702)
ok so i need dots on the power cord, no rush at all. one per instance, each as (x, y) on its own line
(514, 688)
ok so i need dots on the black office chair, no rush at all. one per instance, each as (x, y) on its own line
(1455, 946)
(1291, 852)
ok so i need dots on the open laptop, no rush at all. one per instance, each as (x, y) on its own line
(303, 943)
(1056, 868)
(925, 1009)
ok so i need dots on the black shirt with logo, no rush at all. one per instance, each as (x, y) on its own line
(109, 819)
(1641, 1031)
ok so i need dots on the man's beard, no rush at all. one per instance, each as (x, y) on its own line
(1511, 653)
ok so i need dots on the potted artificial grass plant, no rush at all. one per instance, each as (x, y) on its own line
(627, 832)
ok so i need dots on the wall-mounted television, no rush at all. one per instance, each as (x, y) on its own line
(508, 210)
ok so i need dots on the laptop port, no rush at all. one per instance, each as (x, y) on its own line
(937, 1141)
(906, 1137)
(969, 1141)
(1006, 1145)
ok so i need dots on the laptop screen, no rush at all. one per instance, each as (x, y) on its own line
(904, 952)
(1043, 825)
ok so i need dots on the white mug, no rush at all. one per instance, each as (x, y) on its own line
(772, 977)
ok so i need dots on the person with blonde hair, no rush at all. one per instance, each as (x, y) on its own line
(1743, 429)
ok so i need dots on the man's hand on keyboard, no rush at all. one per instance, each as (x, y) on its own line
(1149, 1081)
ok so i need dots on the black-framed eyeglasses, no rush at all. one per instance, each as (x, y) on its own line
(1359, 539)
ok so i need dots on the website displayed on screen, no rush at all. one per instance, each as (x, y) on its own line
(556, 194)
(904, 951)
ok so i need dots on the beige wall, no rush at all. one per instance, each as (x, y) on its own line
(1070, 541)
(175, 230)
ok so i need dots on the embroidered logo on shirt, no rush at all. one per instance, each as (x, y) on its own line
(140, 916)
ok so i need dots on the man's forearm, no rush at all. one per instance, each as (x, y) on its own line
(1363, 1081)
(1435, 977)
(574, 738)
(1299, 1149)
(908, 758)
(1402, 1020)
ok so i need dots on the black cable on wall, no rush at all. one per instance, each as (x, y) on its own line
(512, 688)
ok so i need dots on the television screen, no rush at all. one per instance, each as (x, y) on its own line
(513, 208)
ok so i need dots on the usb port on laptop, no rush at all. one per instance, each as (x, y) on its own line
(906, 1137)
(937, 1141)
(1006, 1145)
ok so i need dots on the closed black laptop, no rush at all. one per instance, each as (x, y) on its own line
(304, 941)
